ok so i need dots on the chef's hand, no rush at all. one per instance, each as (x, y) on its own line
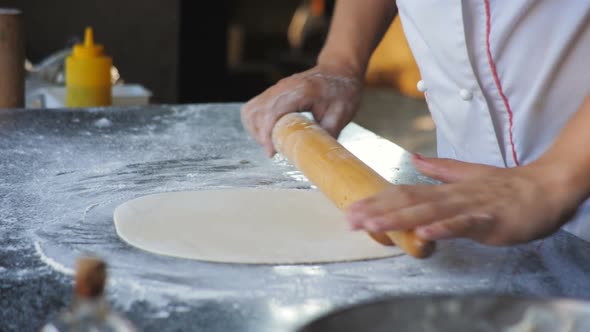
(331, 95)
(494, 206)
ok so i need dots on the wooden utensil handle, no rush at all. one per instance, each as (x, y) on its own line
(12, 59)
(341, 176)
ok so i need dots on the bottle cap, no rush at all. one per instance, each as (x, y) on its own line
(88, 49)
(90, 277)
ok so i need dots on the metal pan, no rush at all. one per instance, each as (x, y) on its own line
(472, 313)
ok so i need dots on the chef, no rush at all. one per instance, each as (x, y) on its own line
(508, 86)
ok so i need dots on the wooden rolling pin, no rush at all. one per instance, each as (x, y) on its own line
(341, 176)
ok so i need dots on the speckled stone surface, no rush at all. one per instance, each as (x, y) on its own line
(63, 172)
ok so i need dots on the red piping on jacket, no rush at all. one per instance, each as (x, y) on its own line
(497, 79)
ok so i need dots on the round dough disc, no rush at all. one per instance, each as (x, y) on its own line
(253, 226)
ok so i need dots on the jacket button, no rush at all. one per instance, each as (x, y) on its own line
(421, 86)
(466, 94)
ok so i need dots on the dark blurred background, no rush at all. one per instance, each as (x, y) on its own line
(182, 50)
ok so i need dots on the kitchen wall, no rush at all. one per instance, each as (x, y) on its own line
(176, 48)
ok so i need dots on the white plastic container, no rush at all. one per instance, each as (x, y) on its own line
(123, 95)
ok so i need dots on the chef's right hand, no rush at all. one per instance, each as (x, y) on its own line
(330, 95)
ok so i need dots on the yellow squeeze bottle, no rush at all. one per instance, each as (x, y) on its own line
(88, 75)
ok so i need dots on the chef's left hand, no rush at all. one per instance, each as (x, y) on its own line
(494, 206)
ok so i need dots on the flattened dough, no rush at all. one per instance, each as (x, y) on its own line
(252, 226)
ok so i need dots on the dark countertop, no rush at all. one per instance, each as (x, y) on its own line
(63, 172)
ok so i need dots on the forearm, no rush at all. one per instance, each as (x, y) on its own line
(570, 154)
(355, 31)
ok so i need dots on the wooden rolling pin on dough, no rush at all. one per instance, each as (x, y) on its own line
(341, 176)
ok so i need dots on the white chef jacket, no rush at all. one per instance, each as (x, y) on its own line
(501, 77)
